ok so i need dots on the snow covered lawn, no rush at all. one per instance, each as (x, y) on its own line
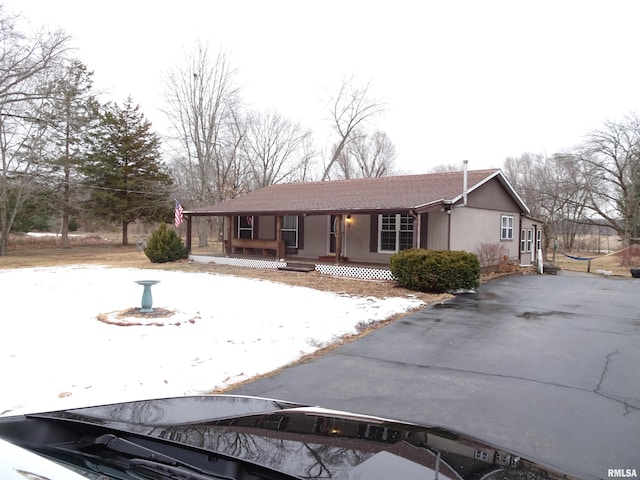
(65, 342)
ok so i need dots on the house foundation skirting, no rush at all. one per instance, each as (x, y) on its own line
(238, 262)
(365, 273)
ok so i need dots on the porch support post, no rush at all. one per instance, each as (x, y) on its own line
(338, 238)
(188, 241)
(449, 229)
(279, 235)
(229, 234)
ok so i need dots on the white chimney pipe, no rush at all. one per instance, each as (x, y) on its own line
(464, 183)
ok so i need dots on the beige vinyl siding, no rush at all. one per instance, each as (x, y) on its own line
(357, 238)
(315, 236)
(470, 227)
(267, 230)
(492, 196)
(437, 233)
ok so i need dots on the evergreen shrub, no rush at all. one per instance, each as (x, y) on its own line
(435, 271)
(165, 245)
(32, 222)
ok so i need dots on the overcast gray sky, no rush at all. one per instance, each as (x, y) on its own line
(466, 79)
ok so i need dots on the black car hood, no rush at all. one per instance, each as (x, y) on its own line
(298, 441)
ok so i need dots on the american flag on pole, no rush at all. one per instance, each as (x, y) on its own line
(177, 217)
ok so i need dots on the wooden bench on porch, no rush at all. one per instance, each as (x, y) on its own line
(246, 244)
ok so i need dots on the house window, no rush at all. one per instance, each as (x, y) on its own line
(526, 240)
(290, 230)
(245, 227)
(506, 228)
(538, 240)
(395, 233)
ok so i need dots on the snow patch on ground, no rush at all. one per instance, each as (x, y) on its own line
(72, 335)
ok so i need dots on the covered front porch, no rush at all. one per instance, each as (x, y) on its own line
(339, 243)
(365, 271)
(330, 237)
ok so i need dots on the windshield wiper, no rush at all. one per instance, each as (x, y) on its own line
(137, 460)
(132, 449)
(150, 463)
(159, 471)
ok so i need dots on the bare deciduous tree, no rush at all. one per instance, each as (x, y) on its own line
(277, 149)
(202, 106)
(444, 168)
(368, 156)
(554, 190)
(612, 157)
(26, 66)
(349, 110)
(22, 156)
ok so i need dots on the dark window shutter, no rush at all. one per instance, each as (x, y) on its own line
(373, 234)
(256, 230)
(424, 224)
(300, 232)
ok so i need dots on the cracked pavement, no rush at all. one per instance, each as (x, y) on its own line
(548, 366)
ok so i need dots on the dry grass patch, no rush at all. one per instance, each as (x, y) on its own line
(126, 256)
(612, 262)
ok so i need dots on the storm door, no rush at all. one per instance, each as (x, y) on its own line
(332, 235)
(526, 245)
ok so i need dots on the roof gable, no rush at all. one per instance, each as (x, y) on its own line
(396, 193)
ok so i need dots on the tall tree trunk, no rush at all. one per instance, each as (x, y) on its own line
(67, 177)
(125, 232)
(65, 208)
(4, 240)
(203, 229)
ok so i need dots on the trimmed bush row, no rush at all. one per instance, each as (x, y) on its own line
(435, 271)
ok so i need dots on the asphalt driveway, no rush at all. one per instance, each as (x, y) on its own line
(545, 365)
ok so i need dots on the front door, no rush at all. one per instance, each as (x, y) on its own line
(332, 235)
(527, 251)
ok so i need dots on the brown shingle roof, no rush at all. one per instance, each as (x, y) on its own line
(357, 195)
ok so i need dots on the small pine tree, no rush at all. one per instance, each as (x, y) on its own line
(165, 245)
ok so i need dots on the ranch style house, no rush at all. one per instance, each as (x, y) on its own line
(366, 220)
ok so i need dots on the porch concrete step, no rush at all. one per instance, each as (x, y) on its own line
(298, 267)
